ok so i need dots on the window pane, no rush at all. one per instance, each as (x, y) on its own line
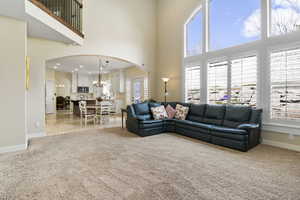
(194, 35)
(285, 16)
(285, 83)
(243, 81)
(192, 85)
(233, 22)
(217, 83)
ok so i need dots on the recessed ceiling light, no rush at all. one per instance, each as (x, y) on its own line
(76, 70)
(81, 66)
(55, 67)
(58, 64)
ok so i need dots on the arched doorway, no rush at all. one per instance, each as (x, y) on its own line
(95, 80)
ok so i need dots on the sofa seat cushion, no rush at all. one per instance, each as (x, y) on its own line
(229, 130)
(193, 126)
(195, 118)
(151, 123)
(170, 121)
(230, 133)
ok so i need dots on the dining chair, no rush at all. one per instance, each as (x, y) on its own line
(113, 110)
(104, 111)
(86, 114)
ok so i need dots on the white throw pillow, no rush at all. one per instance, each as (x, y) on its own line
(181, 112)
(159, 112)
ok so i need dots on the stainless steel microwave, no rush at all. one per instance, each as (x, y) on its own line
(83, 89)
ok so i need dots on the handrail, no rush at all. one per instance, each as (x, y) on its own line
(67, 12)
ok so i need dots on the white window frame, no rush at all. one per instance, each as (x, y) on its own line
(269, 13)
(196, 12)
(262, 48)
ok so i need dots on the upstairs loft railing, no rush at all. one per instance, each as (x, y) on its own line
(68, 12)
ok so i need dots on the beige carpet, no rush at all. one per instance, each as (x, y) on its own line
(114, 164)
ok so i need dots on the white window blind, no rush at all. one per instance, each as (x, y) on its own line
(285, 85)
(146, 89)
(217, 83)
(192, 85)
(244, 81)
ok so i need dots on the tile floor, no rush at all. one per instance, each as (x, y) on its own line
(65, 122)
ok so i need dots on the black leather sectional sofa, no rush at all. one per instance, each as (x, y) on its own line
(237, 127)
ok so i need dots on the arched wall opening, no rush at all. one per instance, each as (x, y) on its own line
(70, 80)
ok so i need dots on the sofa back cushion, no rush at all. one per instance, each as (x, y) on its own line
(185, 104)
(173, 104)
(141, 108)
(214, 114)
(236, 115)
(197, 112)
(154, 104)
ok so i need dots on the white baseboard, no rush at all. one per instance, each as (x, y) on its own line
(36, 135)
(282, 145)
(20, 147)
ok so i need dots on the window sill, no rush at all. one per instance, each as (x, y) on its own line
(282, 128)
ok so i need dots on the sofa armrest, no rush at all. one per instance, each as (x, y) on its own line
(130, 112)
(248, 126)
(254, 134)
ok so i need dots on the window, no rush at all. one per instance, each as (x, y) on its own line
(285, 84)
(217, 83)
(194, 35)
(244, 81)
(146, 89)
(192, 85)
(225, 26)
(285, 16)
(233, 22)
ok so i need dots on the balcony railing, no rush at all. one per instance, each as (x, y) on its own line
(68, 12)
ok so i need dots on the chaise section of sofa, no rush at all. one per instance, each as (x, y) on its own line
(237, 127)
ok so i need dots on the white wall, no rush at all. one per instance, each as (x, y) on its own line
(12, 84)
(171, 16)
(118, 28)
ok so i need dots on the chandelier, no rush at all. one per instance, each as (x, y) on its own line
(99, 83)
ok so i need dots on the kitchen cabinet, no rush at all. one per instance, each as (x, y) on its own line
(83, 80)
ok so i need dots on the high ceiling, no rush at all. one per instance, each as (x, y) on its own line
(87, 64)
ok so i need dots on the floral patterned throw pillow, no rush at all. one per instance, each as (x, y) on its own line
(159, 112)
(181, 112)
